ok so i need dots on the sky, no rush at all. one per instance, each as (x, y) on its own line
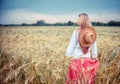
(52, 11)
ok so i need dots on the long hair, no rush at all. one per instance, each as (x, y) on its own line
(84, 22)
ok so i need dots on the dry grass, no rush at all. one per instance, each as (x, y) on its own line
(35, 55)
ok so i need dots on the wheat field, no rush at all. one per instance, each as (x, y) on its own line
(36, 55)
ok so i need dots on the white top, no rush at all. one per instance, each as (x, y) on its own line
(74, 49)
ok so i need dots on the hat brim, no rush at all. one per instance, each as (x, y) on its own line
(82, 34)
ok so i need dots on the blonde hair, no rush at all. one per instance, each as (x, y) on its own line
(84, 19)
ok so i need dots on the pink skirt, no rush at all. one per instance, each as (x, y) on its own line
(82, 71)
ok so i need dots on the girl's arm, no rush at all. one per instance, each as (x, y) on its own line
(72, 44)
(94, 50)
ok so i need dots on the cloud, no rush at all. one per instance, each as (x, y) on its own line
(18, 16)
(22, 16)
(105, 16)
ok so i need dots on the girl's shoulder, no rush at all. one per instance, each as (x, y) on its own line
(77, 30)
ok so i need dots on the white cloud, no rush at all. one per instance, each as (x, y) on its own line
(19, 16)
(105, 17)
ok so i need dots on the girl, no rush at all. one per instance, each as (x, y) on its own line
(82, 68)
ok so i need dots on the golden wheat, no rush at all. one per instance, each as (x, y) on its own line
(36, 55)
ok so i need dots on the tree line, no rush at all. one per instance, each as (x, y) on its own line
(69, 23)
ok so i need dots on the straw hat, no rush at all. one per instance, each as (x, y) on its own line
(87, 36)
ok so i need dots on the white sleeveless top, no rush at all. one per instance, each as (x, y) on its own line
(74, 49)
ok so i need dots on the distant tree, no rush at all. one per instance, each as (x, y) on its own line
(70, 23)
(1, 25)
(60, 24)
(113, 23)
(40, 23)
(99, 24)
(93, 23)
(33, 24)
(75, 24)
(23, 24)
